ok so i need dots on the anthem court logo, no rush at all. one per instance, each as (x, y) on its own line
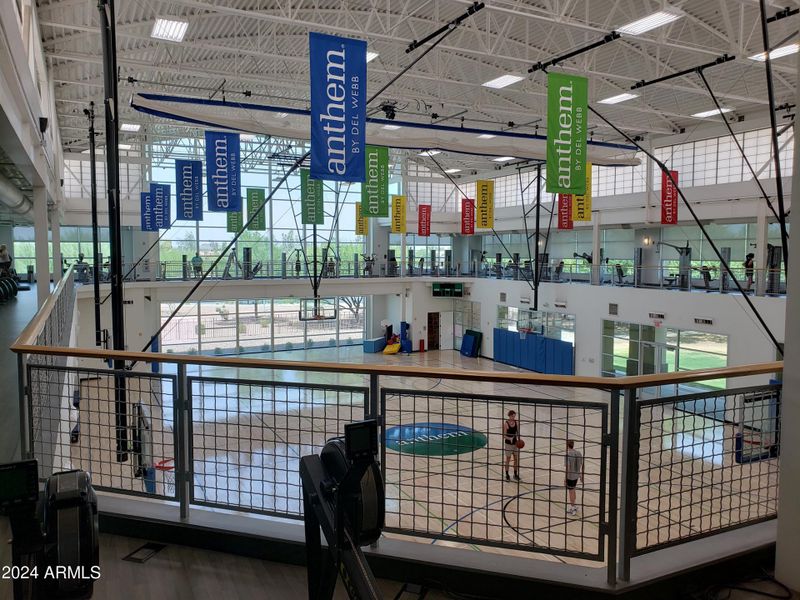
(434, 439)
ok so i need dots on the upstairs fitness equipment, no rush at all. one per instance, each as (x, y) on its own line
(343, 494)
(774, 260)
(684, 279)
(8, 288)
(55, 548)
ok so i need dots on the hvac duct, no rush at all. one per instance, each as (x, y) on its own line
(12, 197)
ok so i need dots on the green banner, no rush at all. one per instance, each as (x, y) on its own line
(567, 98)
(311, 200)
(235, 221)
(255, 198)
(375, 189)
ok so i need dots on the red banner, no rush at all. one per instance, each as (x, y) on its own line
(467, 216)
(669, 199)
(565, 211)
(424, 220)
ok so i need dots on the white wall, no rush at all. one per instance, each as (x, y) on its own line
(747, 343)
(399, 298)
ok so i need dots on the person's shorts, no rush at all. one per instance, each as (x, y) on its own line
(512, 450)
(572, 484)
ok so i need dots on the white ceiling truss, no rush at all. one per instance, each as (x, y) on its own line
(262, 46)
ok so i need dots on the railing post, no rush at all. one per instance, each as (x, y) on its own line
(24, 441)
(630, 482)
(613, 488)
(181, 417)
(374, 400)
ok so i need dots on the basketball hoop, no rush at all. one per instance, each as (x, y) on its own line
(523, 332)
(167, 469)
(657, 323)
(318, 309)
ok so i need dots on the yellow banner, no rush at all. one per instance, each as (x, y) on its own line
(582, 205)
(484, 199)
(398, 214)
(362, 223)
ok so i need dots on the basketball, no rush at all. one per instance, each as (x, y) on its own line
(520, 444)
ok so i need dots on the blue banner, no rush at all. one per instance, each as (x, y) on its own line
(159, 197)
(189, 189)
(148, 218)
(338, 107)
(223, 172)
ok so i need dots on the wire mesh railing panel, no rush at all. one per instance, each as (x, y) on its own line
(451, 476)
(707, 463)
(78, 427)
(247, 438)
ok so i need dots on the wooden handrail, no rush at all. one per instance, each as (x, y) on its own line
(619, 383)
(36, 324)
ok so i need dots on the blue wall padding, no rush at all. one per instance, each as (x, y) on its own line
(534, 353)
(374, 346)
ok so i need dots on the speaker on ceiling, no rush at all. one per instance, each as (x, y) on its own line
(43, 124)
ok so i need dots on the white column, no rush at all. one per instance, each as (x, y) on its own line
(761, 249)
(55, 232)
(403, 251)
(787, 554)
(650, 195)
(40, 229)
(597, 268)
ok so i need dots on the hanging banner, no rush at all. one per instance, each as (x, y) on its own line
(189, 190)
(338, 107)
(235, 222)
(223, 172)
(582, 203)
(255, 198)
(567, 98)
(159, 197)
(467, 216)
(669, 199)
(424, 220)
(399, 214)
(484, 191)
(148, 218)
(312, 210)
(375, 189)
(362, 223)
(564, 211)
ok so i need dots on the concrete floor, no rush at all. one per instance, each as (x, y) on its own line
(14, 316)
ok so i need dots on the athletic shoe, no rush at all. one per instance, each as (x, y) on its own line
(516, 476)
(507, 477)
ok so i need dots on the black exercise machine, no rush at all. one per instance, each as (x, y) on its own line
(343, 494)
(55, 547)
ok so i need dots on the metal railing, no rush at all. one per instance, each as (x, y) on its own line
(666, 276)
(228, 432)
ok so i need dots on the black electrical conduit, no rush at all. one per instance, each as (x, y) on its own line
(275, 188)
(775, 144)
(723, 262)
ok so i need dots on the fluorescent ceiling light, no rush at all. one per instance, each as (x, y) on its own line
(124, 146)
(169, 30)
(392, 127)
(430, 153)
(618, 98)
(130, 127)
(777, 52)
(504, 159)
(486, 136)
(711, 113)
(451, 171)
(282, 115)
(658, 19)
(372, 56)
(503, 81)
(247, 137)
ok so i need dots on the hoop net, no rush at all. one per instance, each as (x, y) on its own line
(523, 332)
(167, 469)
